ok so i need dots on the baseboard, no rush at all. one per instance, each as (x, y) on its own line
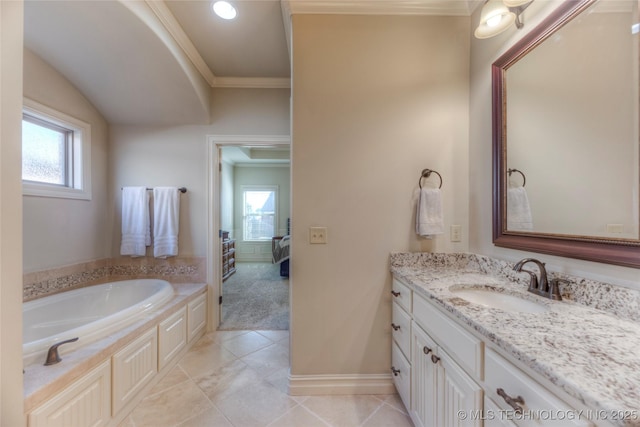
(312, 385)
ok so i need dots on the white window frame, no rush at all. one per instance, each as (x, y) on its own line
(246, 188)
(80, 187)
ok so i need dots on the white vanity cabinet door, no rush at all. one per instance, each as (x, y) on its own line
(443, 394)
(461, 397)
(541, 407)
(133, 367)
(424, 379)
(86, 403)
(172, 337)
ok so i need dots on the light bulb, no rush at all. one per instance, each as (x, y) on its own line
(224, 10)
(494, 21)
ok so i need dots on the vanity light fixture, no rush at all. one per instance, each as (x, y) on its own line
(224, 10)
(497, 16)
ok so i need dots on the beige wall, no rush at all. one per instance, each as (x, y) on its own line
(11, 33)
(59, 231)
(376, 99)
(483, 54)
(177, 156)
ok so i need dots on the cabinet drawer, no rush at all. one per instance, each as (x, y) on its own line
(466, 348)
(401, 294)
(401, 375)
(538, 401)
(494, 416)
(401, 329)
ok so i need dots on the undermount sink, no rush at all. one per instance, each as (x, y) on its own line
(490, 298)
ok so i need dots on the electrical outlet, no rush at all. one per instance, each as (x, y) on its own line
(455, 233)
(318, 235)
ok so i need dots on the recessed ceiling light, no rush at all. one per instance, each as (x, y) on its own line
(224, 10)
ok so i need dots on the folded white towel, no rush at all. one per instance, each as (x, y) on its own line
(136, 234)
(429, 218)
(166, 221)
(518, 210)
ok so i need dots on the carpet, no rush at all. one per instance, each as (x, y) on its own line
(255, 297)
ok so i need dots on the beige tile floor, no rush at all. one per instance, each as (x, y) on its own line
(239, 378)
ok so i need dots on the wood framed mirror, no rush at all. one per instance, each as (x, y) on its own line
(551, 92)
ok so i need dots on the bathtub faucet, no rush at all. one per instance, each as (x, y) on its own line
(52, 356)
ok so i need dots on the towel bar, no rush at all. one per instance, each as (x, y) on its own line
(181, 189)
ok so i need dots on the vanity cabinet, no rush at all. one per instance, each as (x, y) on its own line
(446, 375)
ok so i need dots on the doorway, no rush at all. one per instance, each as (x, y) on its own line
(250, 212)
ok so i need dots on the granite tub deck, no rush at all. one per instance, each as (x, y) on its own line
(43, 382)
(591, 354)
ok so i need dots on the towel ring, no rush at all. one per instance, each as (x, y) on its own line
(524, 178)
(426, 173)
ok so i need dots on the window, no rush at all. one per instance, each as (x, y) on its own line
(55, 153)
(259, 212)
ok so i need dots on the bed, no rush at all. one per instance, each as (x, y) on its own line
(280, 249)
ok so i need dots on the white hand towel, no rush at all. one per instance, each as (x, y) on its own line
(136, 234)
(518, 210)
(166, 221)
(429, 218)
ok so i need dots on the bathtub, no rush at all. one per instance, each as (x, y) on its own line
(89, 313)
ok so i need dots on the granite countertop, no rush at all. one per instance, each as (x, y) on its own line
(591, 354)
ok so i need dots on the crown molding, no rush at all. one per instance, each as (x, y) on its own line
(380, 7)
(175, 30)
(168, 20)
(253, 82)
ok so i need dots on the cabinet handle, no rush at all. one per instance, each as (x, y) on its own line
(395, 327)
(395, 371)
(395, 294)
(434, 358)
(514, 402)
(426, 350)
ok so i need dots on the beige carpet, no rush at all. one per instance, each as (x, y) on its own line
(255, 297)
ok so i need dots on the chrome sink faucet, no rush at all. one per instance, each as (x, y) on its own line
(540, 286)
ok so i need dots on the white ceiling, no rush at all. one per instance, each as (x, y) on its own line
(155, 62)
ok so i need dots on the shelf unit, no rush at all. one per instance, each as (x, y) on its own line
(228, 256)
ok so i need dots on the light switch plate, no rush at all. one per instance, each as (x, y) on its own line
(318, 235)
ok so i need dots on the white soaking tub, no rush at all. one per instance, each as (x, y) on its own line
(89, 313)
